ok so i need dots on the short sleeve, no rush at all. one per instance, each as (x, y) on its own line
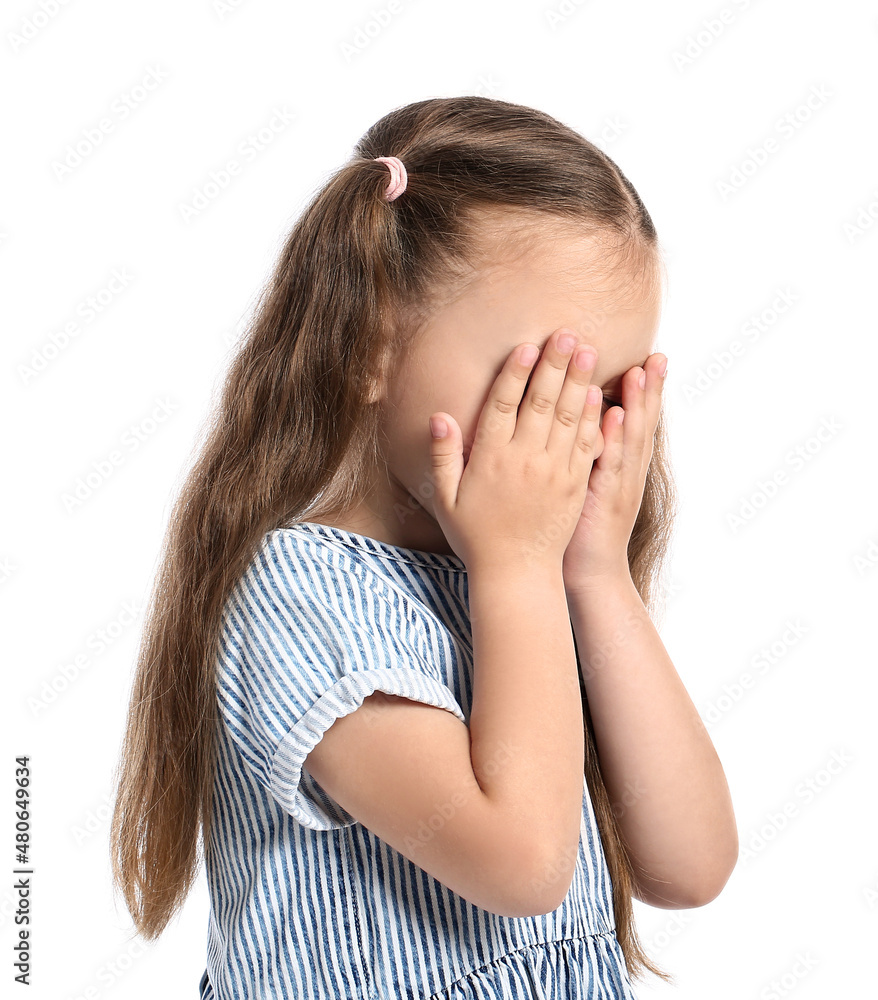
(305, 641)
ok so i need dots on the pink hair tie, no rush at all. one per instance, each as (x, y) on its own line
(398, 176)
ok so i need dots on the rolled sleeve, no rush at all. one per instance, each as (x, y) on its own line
(305, 643)
(306, 801)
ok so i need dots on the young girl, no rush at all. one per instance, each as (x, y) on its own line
(406, 685)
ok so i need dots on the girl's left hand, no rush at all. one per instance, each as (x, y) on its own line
(598, 549)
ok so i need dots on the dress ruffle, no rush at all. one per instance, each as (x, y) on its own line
(571, 969)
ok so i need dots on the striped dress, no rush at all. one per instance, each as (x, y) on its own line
(305, 902)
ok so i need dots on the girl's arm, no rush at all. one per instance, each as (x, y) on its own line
(500, 802)
(660, 768)
(661, 771)
(492, 811)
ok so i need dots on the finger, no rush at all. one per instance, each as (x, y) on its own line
(498, 418)
(612, 429)
(569, 408)
(537, 416)
(655, 386)
(585, 441)
(642, 413)
(634, 428)
(446, 459)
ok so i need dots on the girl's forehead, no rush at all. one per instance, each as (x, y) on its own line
(507, 303)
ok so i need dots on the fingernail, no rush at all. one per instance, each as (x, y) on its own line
(566, 343)
(584, 360)
(529, 354)
(641, 380)
(663, 368)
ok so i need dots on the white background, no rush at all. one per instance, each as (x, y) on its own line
(681, 100)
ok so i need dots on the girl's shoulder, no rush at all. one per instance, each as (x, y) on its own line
(362, 549)
(329, 564)
(324, 561)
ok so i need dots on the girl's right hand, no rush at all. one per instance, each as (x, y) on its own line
(519, 497)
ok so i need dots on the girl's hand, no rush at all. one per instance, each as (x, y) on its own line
(518, 499)
(598, 549)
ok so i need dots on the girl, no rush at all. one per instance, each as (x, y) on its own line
(406, 685)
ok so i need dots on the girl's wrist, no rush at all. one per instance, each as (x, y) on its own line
(598, 583)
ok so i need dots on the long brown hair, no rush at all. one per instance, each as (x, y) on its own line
(294, 436)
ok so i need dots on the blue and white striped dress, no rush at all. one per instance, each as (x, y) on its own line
(305, 902)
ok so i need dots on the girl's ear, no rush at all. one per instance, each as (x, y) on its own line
(376, 390)
(378, 383)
